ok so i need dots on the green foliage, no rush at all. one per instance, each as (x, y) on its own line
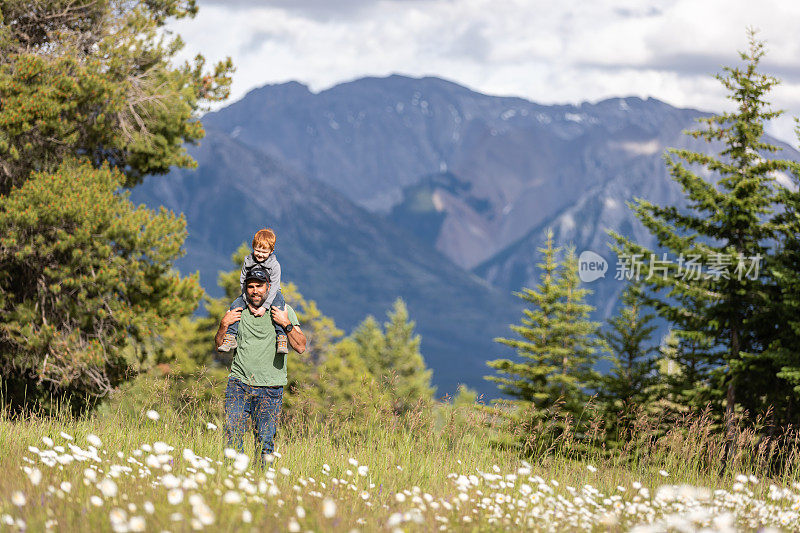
(83, 272)
(782, 317)
(558, 343)
(628, 386)
(96, 80)
(731, 215)
(90, 102)
(684, 376)
(393, 357)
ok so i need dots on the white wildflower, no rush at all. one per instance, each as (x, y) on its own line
(230, 453)
(149, 508)
(35, 475)
(66, 486)
(328, 508)
(153, 415)
(352, 462)
(591, 468)
(94, 440)
(232, 497)
(108, 488)
(175, 496)
(212, 427)
(137, 523)
(247, 516)
(294, 527)
(18, 499)
(301, 513)
(66, 436)
(162, 448)
(170, 481)
(362, 470)
(47, 441)
(663, 473)
(96, 500)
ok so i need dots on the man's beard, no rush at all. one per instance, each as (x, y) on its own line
(256, 300)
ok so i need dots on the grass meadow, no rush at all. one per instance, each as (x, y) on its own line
(146, 462)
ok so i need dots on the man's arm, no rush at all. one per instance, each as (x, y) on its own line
(229, 318)
(297, 339)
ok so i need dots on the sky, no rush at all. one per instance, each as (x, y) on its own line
(547, 51)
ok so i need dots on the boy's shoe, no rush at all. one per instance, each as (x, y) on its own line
(283, 344)
(229, 343)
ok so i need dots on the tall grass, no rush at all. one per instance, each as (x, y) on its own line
(424, 456)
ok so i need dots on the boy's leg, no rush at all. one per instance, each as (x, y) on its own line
(238, 303)
(266, 410)
(282, 342)
(229, 342)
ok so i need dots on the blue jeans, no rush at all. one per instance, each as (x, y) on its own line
(241, 303)
(261, 404)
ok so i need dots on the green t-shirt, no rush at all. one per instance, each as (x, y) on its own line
(255, 362)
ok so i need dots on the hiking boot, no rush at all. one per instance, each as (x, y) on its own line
(283, 344)
(229, 343)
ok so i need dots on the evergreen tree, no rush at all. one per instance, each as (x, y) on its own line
(558, 343)
(371, 344)
(95, 80)
(627, 387)
(727, 227)
(393, 357)
(402, 363)
(345, 386)
(685, 375)
(83, 273)
(90, 102)
(781, 319)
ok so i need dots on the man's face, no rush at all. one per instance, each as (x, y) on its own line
(256, 291)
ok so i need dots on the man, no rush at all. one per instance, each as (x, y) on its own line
(258, 373)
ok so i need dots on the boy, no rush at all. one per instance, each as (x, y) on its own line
(263, 256)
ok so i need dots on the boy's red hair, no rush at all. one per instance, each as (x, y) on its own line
(264, 238)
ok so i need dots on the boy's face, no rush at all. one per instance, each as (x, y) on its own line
(261, 254)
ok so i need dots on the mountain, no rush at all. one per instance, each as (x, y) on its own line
(351, 261)
(517, 163)
(479, 177)
(422, 188)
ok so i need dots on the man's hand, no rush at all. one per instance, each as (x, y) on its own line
(233, 315)
(280, 317)
(229, 318)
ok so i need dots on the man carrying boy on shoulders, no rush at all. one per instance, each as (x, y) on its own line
(258, 373)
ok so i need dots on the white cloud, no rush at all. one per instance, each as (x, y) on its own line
(550, 52)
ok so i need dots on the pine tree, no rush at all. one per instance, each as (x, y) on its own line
(685, 375)
(727, 227)
(402, 363)
(90, 102)
(95, 80)
(345, 386)
(781, 319)
(83, 273)
(558, 344)
(627, 387)
(392, 356)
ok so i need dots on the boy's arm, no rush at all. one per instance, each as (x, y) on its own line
(274, 269)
